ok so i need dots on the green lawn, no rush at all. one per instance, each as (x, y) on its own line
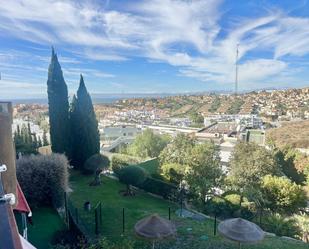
(46, 222)
(189, 232)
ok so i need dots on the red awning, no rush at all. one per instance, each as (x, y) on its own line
(22, 204)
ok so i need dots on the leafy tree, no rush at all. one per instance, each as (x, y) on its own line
(197, 119)
(58, 108)
(24, 143)
(84, 127)
(248, 165)
(282, 195)
(96, 162)
(174, 172)
(148, 144)
(205, 172)
(290, 163)
(178, 150)
(95, 165)
(132, 175)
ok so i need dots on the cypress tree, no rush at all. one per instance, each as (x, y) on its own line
(45, 141)
(40, 142)
(84, 127)
(29, 133)
(58, 107)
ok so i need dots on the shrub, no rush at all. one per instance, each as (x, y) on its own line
(219, 206)
(158, 187)
(246, 208)
(120, 161)
(43, 179)
(132, 175)
(96, 162)
(282, 195)
(303, 224)
(280, 225)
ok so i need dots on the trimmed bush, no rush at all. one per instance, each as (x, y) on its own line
(228, 206)
(132, 175)
(96, 162)
(219, 206)
(120, 161)
(158, 187)
(43, 179)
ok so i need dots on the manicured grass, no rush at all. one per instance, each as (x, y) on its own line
(46, 222)
(189, 232)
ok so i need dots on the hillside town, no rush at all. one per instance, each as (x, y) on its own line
(223, 119)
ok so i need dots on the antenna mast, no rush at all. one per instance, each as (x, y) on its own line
(236, 70)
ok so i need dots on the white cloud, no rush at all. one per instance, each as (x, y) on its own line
(185, 34)
(8, 88)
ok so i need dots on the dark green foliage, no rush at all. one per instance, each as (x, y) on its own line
(174, 172)
(132, 175)
(120, 161)
(43, 179)
(84, 127)
(58, 108)
(25, 141)
(218, 206)
(248, 165)
(229, 206)
(204, 169)
(96, 162)
(286, 159)
(280, 225)
(45, 141)
(159, 187)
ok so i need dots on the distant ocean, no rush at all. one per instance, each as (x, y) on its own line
(45, 101)
(97, 99)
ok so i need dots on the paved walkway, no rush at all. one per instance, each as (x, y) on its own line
(189, 214)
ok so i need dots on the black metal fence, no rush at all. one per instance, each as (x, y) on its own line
(104, 220)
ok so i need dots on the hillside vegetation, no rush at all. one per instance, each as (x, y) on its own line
(295, 134)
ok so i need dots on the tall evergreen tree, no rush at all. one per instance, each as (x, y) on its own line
(39, 142)
(84, 127)
(58, 107)
(45, 141)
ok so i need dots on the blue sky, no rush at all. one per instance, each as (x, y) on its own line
(153, 46)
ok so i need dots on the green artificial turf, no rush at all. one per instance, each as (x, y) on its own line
(190, 234)
(46, 222)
